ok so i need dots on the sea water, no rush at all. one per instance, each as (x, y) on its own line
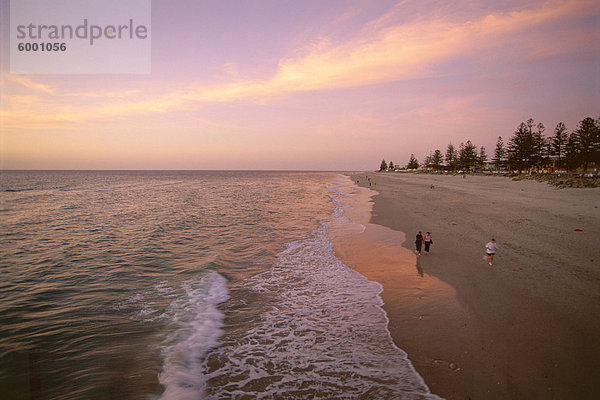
(187, 285)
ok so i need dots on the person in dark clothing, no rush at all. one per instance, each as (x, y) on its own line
(419, 242)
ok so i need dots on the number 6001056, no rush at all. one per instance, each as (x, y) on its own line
(42, 46)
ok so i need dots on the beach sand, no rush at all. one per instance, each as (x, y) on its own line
(526, 328)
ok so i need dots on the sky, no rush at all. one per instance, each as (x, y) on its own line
(310, 85)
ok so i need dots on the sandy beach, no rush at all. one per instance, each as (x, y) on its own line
(526, 327)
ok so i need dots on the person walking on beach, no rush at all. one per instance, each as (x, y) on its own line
(490, 250)
(428, 242)
(419, 242)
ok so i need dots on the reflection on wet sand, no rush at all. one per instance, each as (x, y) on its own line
(377, 253)
(419, 271)
(415, 303)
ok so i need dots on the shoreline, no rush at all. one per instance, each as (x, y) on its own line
(374, 252)
(524, 329)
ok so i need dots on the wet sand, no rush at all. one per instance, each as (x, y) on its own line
(525, 328)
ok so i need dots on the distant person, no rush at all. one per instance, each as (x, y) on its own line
(490, 250)
(428, 242)
(419, 242)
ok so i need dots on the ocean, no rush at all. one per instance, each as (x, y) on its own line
(187, 285)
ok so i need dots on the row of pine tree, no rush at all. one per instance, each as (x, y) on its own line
(528, 150)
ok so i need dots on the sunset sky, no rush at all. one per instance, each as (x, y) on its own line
(320, 85)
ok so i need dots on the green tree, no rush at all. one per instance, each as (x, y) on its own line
(451, 157)
(539, 153)
(427, 161)
(391, 167)
(499, 153)
(559, 143)
(467, 155)
(521, 147)
(413, 163)
(572, 152)
(383, 166)
(588, 138)
(436, 159)
(482, 158)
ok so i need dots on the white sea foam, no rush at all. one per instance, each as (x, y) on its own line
(164, 289)
(324, 335)
(197, 326)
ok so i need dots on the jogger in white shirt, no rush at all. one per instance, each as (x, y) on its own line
(490, 250)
